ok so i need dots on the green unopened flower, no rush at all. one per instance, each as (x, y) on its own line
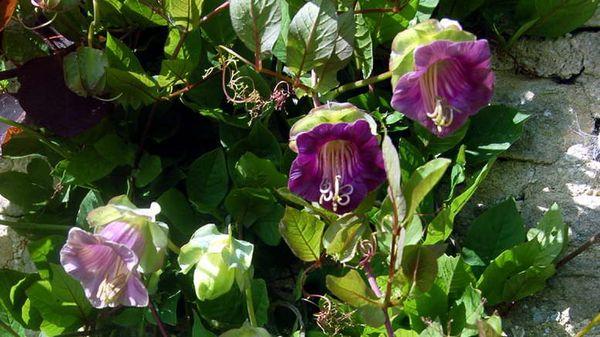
(219, 260)
(137, 228)
(85, 71)
(405, 43)
(246, 331)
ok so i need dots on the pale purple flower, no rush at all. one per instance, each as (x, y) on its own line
(337, 165)
(107, 270)
(450, 82)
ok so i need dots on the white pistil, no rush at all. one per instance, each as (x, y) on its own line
(111, 288)
(335, 159)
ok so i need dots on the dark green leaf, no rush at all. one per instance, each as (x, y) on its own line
(247, 205)
(419, 264)
(120, 56)
(207, 180)
(497, 229)
(493, 130)
(551, 232)
(252, 171)
(149, 168)
(421, 182)
(555, 18)
(363, 50)
(92, 200)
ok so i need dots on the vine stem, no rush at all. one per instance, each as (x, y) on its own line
(588, 328)
(363, 83)
(269, 72)
(579, 250)
(90, 37)
(173, 247)
(250, 305)
(161, 327)
(214, 12)
(373, 284)
(31, 225)
(8, 328)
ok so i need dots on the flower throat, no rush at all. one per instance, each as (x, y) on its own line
(437, 107)
(336, 159)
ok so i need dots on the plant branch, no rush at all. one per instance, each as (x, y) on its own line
(363, 83)
(594, 239)
(269, 72)
(161, 327)
(37, 134)
(92, 28)
(589, 327)
(173, 247)
(8, 329)
(250, 305)
(214, 12)
(190, 86)
(36, 226)
(373, 284)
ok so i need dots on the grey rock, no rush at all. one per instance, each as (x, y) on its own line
(557, 160)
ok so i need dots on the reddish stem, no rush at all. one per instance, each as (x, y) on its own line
(214, 12)
(161, 327)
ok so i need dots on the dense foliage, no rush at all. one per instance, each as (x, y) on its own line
(265, 167)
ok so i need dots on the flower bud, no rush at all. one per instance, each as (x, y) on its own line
(405, 43)
(246, 331)
(122, 222)
(85, 71)
(219, 259)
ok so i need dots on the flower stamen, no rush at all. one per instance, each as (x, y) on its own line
(437, 108)
(336, 159)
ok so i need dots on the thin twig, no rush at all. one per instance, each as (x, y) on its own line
(589, 327)
(363, 83)
(214, 12)
(578, 251)
(190, 86)
(8, 328)
(161, 327)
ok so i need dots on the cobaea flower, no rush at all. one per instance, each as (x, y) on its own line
(121, 221)
(339, 158)
(219, 260)
(107, 270)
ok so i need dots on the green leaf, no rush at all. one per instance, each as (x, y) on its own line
(425, 9)
(433, 330)
(257, 23)
(92, 199)
(29, 188)
(302, 232)
(458, 9)
(435, 145)
(312, 36)
(279, 49)
(363, 49)
(385, 25)
(441, 226)
(150, 167)
(497, 229)
(510, 263)
(419, 264)
(207, 180)
(421, 182)
(179, 213)
(341, 238)
(493, 130)
(551, 232)
(466, 313)
(120, 56)
(252, 171)
(87, 166)
(247, 205)
(352, 289)
(13, 297)
(454, 275)
(184, 13)
(114, 149)
(527, 282)
(134, 89)
(267, 226)
(198, 330)
(556, 17)
(260, 298)
(340, 55)
(61, 303)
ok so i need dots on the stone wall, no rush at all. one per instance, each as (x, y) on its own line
(557, 160)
